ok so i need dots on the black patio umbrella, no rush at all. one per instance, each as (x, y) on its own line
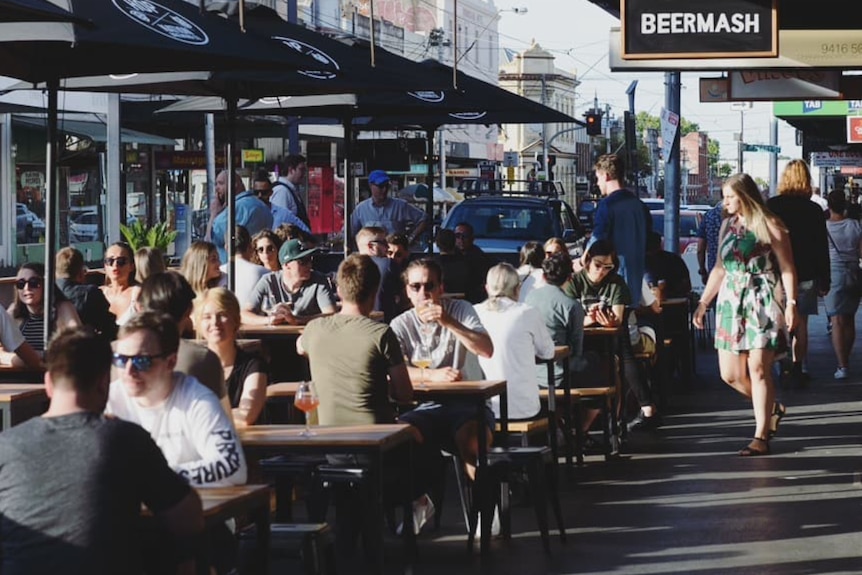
(332, 66)
(472, 102)
(35, 11)
(126, 36)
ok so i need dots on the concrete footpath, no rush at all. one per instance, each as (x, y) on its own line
(682, 501)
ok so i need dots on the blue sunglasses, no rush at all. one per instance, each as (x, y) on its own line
(140, 363)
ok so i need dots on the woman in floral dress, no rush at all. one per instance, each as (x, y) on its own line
(753, 312)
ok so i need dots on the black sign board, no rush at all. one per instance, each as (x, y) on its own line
(656, 29)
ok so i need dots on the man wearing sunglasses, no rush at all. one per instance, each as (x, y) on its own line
(296, 294)
(73, 481)
(184, 418)
(391, 300)
(249, 211)
(450, 328)
(262, 186)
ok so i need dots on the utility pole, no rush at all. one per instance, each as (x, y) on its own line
(545, 132)
(437, 37)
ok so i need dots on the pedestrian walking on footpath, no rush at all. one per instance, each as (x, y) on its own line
(753, 313)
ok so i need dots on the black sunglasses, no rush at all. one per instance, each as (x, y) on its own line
(268, 249)
(429, 286)
(141, 363)
(33, 283)
(120, 261)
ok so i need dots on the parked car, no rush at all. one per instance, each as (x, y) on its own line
(85, 227)
(29, 227)
(587, 212)
(653, 203)
(505, 215)
(689, 223)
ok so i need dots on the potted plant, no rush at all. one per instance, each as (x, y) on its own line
(138, 235)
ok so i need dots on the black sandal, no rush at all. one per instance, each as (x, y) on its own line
(778, 413)
(751, 449)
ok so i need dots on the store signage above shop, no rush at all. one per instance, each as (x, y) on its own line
(252, 156)
(772, 85)
(797, 49)
(836, 159)
(656, 29)
(188, 160)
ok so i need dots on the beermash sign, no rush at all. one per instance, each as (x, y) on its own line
(656, 29)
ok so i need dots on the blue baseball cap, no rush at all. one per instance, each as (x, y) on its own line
(378, 178)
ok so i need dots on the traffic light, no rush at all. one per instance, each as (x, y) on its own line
(594, 123)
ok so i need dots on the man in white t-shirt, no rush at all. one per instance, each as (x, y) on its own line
(449, 328)
(183, 417)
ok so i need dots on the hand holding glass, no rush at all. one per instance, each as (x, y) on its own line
(306, 400)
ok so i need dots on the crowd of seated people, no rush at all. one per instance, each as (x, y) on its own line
(178, 370)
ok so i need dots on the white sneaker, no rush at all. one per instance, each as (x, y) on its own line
(495, 524)
(841, 373)
(423, 510)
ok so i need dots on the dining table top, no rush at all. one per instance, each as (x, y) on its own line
(334, 437)
(229, 501)
(482, 387)
(18, 391)
(247, 330)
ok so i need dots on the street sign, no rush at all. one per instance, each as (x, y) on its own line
(761, 148)
(510, 159)
(854, 129)
(510, 174)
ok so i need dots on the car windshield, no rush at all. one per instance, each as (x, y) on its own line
(505, 222)
(688, 224)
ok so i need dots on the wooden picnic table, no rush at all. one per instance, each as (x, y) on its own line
(479, 391)
(21, 401)
(371, 441)
(223, 503)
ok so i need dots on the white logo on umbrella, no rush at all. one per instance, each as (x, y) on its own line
(163, 21)
(330, 66)
(468, 115)
(429, 96)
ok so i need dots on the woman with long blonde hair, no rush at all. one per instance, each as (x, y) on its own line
(246, 374)
(753, 312)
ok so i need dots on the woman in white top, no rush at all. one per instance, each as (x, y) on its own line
(120, 289)
(842, 301)
(519, 335)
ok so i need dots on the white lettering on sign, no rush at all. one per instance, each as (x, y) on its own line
(699, 23)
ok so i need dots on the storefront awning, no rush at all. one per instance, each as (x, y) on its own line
(96, 131)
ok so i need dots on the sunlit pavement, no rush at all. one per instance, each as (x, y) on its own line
(682, 501)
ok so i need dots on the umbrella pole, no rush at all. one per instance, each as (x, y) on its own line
(349, 183)
(51, 215)
(429, 206)
(230, 232)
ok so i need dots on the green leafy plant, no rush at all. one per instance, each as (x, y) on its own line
(138, 235)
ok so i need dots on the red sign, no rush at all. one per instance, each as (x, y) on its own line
(854, 129)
